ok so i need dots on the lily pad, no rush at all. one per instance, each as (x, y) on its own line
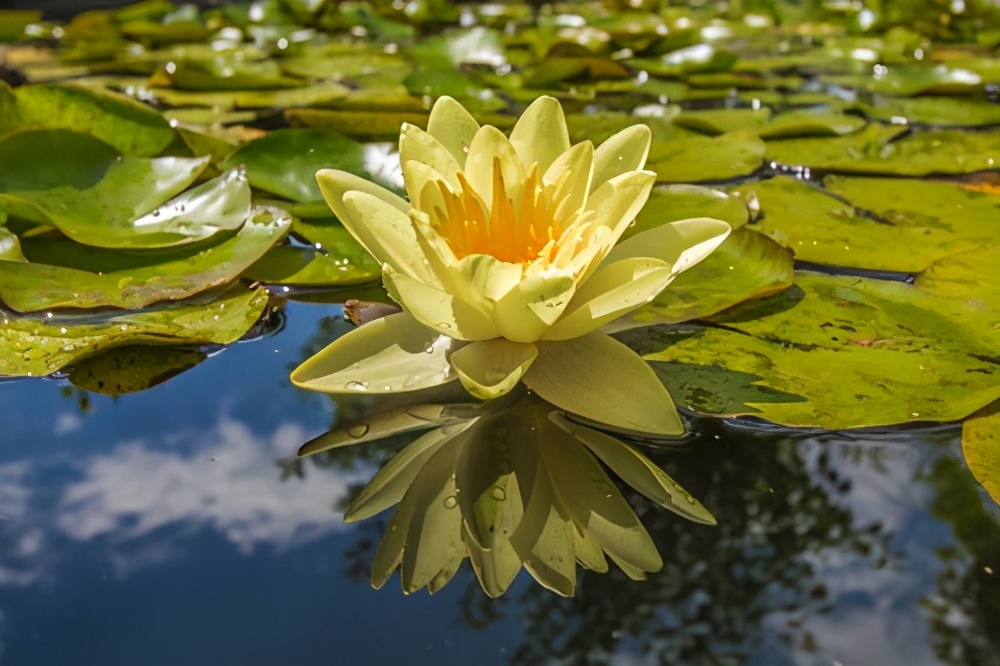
(699, 159)
(71, 275)
(285, 161)
(949, 111)
(981, 447)
(669, 203)
(873, 151)
(965, 276)
(834, 352)
(30, 346)
(321, 93)
(85, 187)
(359, 124)
(132, 368)
(746, 266)
(720, 121)
(920, 221)
(335, 259)
(128, 125)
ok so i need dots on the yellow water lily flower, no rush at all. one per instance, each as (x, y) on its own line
(505, 262)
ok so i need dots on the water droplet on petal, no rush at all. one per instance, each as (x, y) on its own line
(357, 386)
(450, 502)
(359, 430)
(499, 494)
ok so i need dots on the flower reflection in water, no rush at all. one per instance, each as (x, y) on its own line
(508, 483)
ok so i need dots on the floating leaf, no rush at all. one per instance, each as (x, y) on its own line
(670, 203)
(747, 265)
(285, 161)
(127, 125)
(30, 346)
(952, 111)
(72, 275)
(873, 151)
(321, 93)
(981, 447)
(834, 352)
(698, 159)
(921, 221)
(83, 186)
(335, 260)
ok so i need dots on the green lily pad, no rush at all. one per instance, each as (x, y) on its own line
(952, 111)
(698, 159)
(14, 21)
(920, 221)
(72, 275)
(346, 65)
(85, 187)
(904, 81)
(129, 126)
(317, 94)
(981, 447)
(846, 352)
(335, 259)
(746, 266)
(966, 276)
(285, 161)
(30, 346)
(810, 123)
(873, 151)
(359, 124)
(720, 121)
(223, 72)
(133, 368)
(669, 203)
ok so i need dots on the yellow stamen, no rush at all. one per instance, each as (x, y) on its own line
(537, 229)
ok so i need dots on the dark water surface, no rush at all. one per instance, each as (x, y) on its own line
(172, 527)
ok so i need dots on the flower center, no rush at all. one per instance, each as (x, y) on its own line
(520, 227)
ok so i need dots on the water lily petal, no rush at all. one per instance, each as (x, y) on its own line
(616, 203)
(578, 162)
(683, 244)
(613, 290)
(625, 151)
(490, 145)
(638, 471)
(540, 134)
(594, 502)
(390, 484)
(387, 423)
(386, 233)
(534, 304)
(495, 567)
(442, 311)
(453, 126)
(334, 184)
(422, 186)
(434, 548)
(416, 144)
(490, 500)
(388, 355)
(601, 379)
(544, 538)
(490, 368)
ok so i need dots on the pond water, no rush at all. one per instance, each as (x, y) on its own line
(172, 526)
(153, 508)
